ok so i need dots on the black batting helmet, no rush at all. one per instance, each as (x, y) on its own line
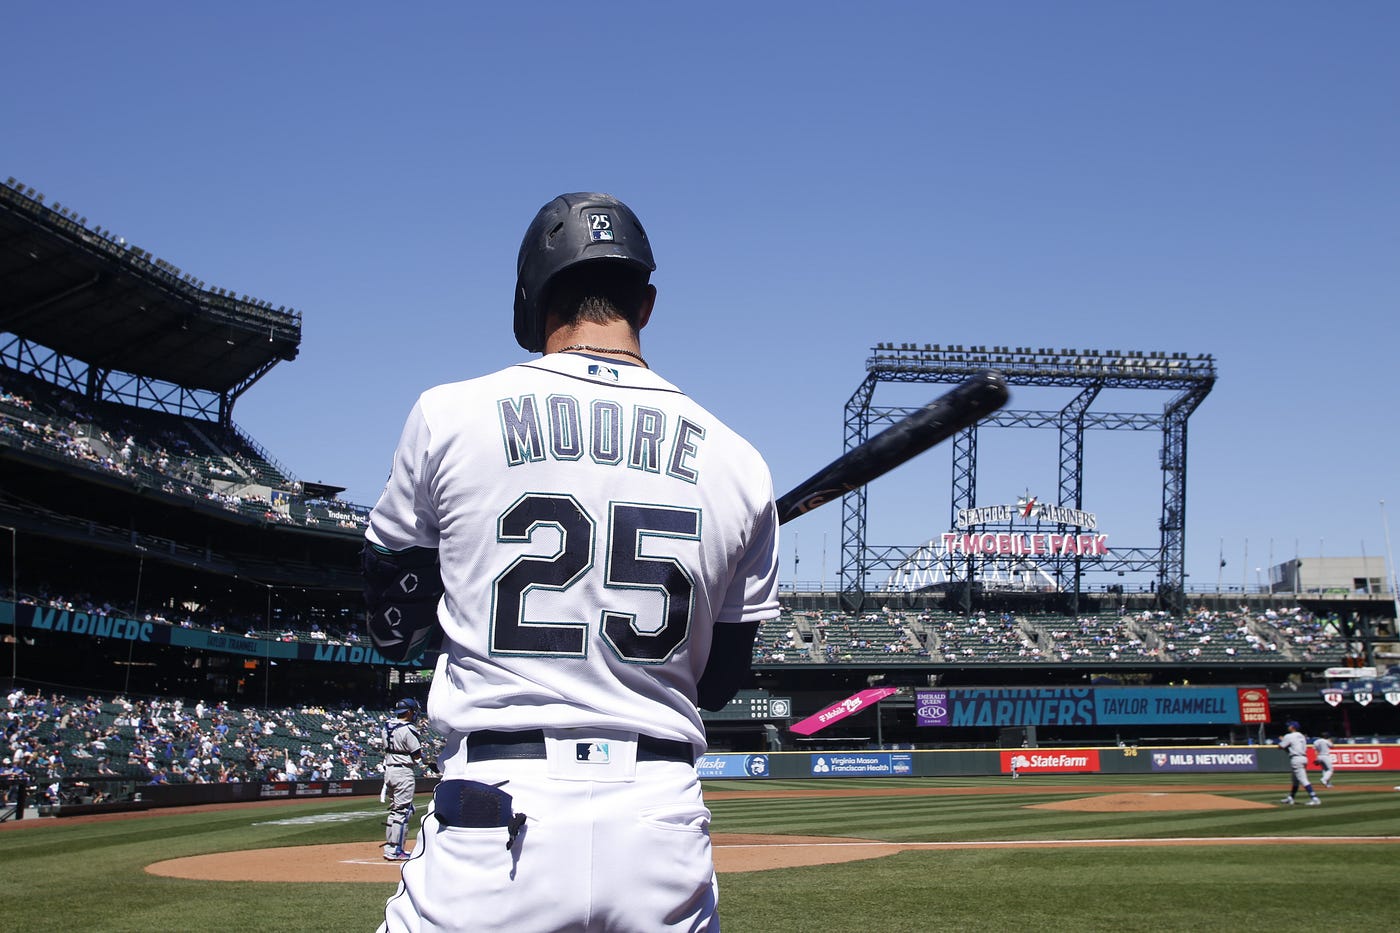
(573, 228)
(408, 705)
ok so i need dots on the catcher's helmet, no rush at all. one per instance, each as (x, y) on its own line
(573, 228)
(408, 705)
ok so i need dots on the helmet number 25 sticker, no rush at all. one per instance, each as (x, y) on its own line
(600, 227)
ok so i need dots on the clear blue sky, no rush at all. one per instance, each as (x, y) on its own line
(816, 178)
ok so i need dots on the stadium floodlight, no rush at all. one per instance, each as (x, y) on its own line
(1390, 558)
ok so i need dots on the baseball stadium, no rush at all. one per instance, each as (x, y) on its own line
(1015, 722)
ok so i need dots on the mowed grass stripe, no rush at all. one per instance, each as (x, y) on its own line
(1189, 888)
(64, 876)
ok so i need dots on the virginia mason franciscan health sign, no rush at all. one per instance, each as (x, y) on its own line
(1092, 706)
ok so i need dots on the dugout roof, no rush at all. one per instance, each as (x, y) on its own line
(86, 294)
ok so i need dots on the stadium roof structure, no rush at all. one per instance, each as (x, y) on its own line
(86, 294)
(1188, 377)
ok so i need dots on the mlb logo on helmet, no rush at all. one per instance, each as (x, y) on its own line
(600, 227)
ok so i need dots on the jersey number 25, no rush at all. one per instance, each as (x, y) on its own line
(626, 568)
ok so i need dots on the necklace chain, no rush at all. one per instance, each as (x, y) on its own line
(592, 349)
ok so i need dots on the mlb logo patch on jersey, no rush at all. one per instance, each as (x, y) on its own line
(594, 752)
(599, 371)
(600, 228)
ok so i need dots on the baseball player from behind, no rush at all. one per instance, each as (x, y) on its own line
(1322, 746)
(1296, 745)
(595, 552)
(402, 748)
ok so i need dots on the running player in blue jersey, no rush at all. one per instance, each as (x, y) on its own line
(1296, 745)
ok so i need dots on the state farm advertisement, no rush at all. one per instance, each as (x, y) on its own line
(1061, 761)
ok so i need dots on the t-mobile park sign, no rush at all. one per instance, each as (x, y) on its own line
(966, 539)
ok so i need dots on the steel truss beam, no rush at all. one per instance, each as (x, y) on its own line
(1090, 372)
(108, 385)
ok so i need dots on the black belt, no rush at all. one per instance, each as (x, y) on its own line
(492, 744)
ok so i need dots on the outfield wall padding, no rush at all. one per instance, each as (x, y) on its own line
(820, 765)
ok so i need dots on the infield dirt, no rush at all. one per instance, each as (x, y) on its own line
(733, 852)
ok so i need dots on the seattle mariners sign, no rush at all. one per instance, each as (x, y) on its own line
(95, 625)
(1031, 511)
(1033, 543)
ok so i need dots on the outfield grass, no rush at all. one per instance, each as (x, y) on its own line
(56, 875)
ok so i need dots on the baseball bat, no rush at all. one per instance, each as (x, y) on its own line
(966, 404)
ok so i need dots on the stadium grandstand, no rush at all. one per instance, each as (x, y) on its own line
(179, 608)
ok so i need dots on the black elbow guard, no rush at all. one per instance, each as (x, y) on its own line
(402, 590)
(715, 690)
(728, 667)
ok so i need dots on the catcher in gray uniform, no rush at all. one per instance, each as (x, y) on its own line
(402, 748)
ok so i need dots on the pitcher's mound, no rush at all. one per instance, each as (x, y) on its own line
(1134, 803)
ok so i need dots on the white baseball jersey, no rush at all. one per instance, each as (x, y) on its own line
(1323, 747)
(1295, 743)
(593, 525)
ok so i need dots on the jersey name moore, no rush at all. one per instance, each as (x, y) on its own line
(608, 433)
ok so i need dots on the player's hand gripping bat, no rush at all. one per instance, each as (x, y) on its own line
(963, 406)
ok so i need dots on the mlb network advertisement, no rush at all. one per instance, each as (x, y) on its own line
(1092, 706)
(1234, 758)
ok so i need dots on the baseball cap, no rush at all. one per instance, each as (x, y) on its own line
(1292, 723)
